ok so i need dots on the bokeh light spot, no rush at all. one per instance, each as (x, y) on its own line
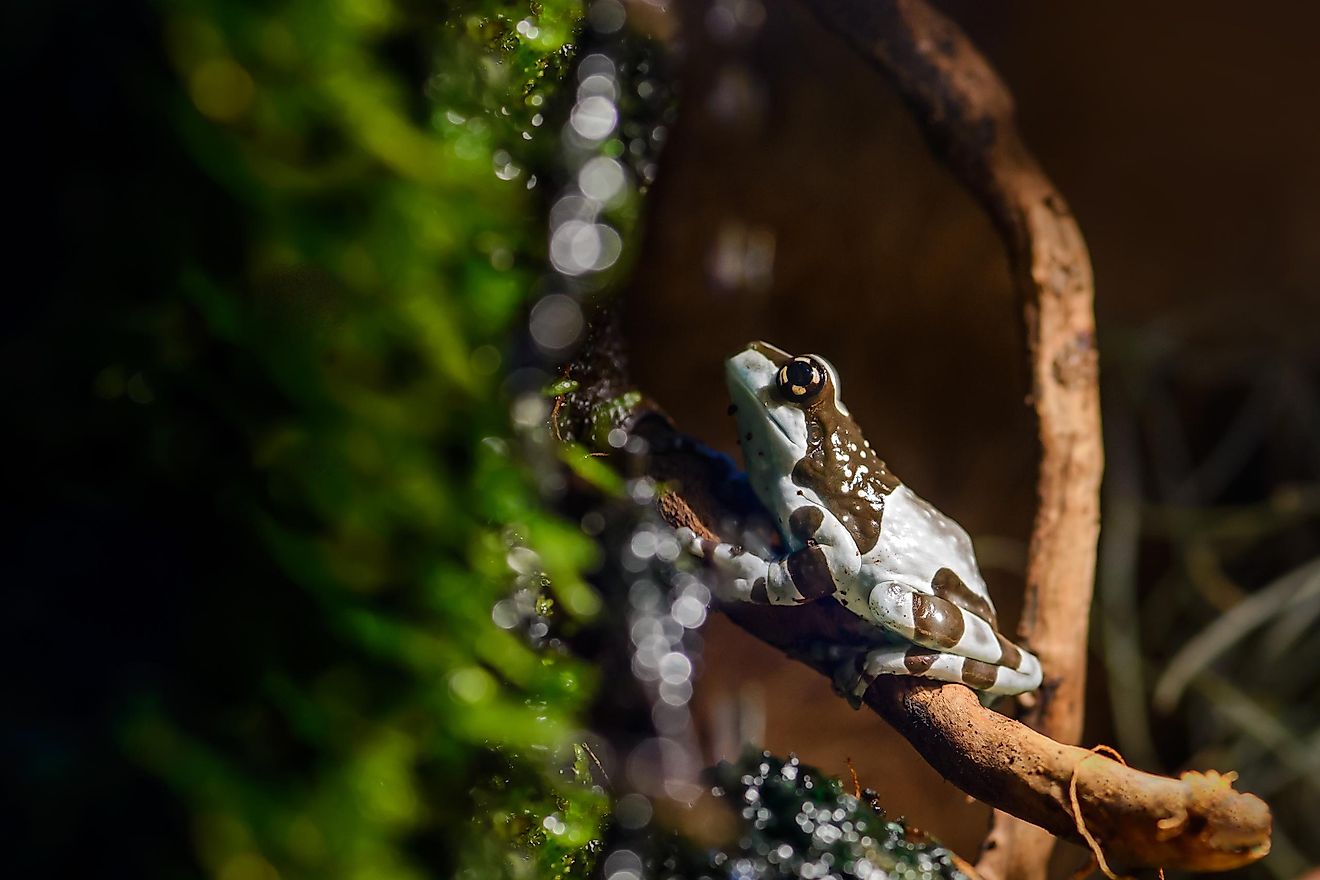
(556, 321)
(594, 117)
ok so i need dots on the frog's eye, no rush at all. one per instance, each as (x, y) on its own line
(801, 379)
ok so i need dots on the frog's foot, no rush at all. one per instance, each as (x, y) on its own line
(848, 678)
(802, 576)
(739, 575)
(990, 678)
(935, 623)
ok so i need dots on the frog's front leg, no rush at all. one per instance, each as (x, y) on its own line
(809, 573)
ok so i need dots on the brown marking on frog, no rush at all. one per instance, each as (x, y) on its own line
(850, 482)
(918, 660)
(842, 469)
(947, 585)
(978, 674)
(804, 522)
(936, 620)
(811, 573)
(1009, 654)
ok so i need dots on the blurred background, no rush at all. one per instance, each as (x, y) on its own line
(276, 265)
(798, 204)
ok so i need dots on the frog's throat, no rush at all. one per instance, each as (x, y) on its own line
(750, 376)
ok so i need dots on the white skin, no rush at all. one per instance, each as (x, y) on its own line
(853, 533)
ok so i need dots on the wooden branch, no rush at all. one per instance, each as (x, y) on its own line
(967, 115)
(1193, 824)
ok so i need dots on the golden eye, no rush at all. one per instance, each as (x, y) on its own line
(801, 379)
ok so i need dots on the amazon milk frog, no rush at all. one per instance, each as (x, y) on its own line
(855, 534)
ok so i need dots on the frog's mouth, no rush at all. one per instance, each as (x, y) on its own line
(773, 419)
(750, 375)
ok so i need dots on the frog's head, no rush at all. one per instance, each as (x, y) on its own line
(773, 393)
(798, 437)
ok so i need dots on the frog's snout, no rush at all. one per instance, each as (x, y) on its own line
(755, 359)
(773, 353)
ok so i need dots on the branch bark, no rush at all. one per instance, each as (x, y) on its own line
(967, 115)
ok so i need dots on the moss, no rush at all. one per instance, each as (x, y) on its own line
(793, 821)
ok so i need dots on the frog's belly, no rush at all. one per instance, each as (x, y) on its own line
(916, 541)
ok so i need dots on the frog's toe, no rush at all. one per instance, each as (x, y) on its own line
(942, 666)
(936, 623)
(848, 681)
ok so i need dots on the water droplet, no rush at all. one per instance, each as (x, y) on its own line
(633, 811)
(689, 612)
(602, 179)
(578, 247)
(598, 85)
(596, 64)
(505, 614)
(556, 322)
(607, 16)
(623, 864)
(594, 117)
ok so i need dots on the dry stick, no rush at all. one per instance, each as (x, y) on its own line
(967, 115)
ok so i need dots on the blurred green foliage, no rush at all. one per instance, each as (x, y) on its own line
(279, 464)
(379, 220)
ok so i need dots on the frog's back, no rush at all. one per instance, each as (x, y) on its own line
(918, 544)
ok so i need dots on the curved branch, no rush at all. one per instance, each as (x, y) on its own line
(1197, 823)
(967, 115)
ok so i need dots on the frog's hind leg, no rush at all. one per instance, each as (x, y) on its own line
(990, 678)
(934, 622)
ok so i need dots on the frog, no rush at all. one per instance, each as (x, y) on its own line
(852, 532)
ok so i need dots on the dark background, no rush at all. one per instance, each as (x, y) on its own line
(1183, 138)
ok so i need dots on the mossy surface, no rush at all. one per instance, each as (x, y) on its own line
(794, 821)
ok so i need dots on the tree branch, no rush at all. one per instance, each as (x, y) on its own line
(967, 115)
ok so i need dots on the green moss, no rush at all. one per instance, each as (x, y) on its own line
(348, 343)
(794, 822)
